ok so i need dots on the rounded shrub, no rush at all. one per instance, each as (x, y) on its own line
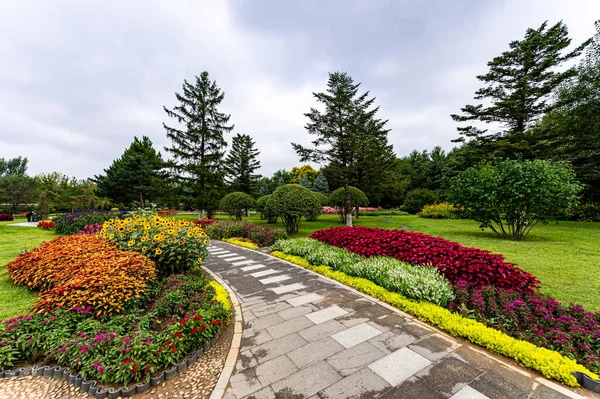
(236, 204)
(261, 202)
(337, 199)
(291, 202)
(313, 214)
(416, 199)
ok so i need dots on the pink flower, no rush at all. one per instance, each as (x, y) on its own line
(96, 365)
(101, 369)
(84, 349)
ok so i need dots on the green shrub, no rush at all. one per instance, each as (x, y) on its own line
(511, 197)
(443, 210)
(313, 214)
(589, 212)
(337, 199)
(418, 282)
(261, 235)
(416, 199)
(385, 212)
(236, 204)
(292, 202)
(261, 204)
(322, 198)
(72, 222)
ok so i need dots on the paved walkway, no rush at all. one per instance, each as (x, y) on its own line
(309, 337)
(24, 224)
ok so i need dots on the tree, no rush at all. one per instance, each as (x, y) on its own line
(341, 129)
(357, 199)
(303, 173)
(320, 185)
(572, 131)
(241, 163)
(511, 197)
(198, 141)
(13, 166)
(44, 205)
(292, 202)
(134, 176)
(519, 86)
(416, 199)
(18, 189)
(236, 204)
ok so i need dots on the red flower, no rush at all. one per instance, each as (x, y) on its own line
(128, 360)
(203, 327)
(134, 368)
(195, 330)
(146, 368)
(178, 335)
(173, 349)
(197, 317)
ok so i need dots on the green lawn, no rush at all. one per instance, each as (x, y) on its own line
(17, 300)
(565, 257)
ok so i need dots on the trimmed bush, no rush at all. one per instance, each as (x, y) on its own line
(72, 222)
(261, 202)
(418, 282)
(6, 217)
(261, 235)
(322, 198)
(337, 199)
(457, 263)
(443, 210)
(416, 199)
(82, 270)
(175, 246)
(236, 204)
(292, 202)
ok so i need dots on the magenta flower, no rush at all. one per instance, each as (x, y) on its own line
(84, 349)
(96, 365)
(101, 369)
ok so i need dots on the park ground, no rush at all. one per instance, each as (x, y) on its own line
(564, 256)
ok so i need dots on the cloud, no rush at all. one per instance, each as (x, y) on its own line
(79, 80)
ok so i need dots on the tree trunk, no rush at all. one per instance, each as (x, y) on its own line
(348, 204)
(142, 200)
(201, 214)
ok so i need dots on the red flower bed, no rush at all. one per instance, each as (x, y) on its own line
(6, 217)
(459, 264)
(204, 223)
(46, 224)
(166, 212)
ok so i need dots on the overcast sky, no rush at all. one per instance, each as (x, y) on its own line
(80, 79)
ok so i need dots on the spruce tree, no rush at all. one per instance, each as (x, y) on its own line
(241, 163)
(518, 86)
(341, 129)
(198, 143)
(320, 185)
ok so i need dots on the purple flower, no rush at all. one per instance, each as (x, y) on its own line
(96, 365)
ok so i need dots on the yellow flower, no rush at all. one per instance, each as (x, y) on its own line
(156, 237)
(111, 236)
(158, 251)
(144, 249)
(121, 228)
(130, 243)
(189, 234)
(200, 259)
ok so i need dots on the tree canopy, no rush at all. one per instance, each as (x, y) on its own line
(241, 164)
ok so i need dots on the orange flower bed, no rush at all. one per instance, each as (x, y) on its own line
(82, 271)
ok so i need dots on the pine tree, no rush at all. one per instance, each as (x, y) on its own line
(241, 163)
(519, 86)
(135, 176)
(320, 185)
(198, 143)
(341, 129)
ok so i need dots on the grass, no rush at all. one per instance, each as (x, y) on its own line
(17, 300)
(563, 256)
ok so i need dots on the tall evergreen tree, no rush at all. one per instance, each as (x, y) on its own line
(320, 185)
(135, 176)
(348, 119)
(519, 86)
(198, 142)
(241, 163)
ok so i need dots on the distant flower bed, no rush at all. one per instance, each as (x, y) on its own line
(166, 212)
(6, 217)
(91, 229)
(46, 224)
(261, 235)
(204, 223)
(457, 263)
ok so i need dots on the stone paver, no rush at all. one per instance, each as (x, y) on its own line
(308, 337)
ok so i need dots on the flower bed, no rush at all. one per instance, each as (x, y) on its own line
(412, 281)
(46, 224)
(177, 315)
(473, 266)
(242, 242)
(175, 246)
(166, 212)
(543, 321)
(549, 363)
(82, 271)
(91, 229)
(204, 223)
(261, 235)
(6, 217)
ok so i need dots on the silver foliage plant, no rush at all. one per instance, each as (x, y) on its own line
(416, 282)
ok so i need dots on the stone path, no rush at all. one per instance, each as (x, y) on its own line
(309, 337)
(24, 224)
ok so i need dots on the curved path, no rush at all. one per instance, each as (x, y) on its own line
(306, 336)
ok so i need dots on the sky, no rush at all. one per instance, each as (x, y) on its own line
(80, 79)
